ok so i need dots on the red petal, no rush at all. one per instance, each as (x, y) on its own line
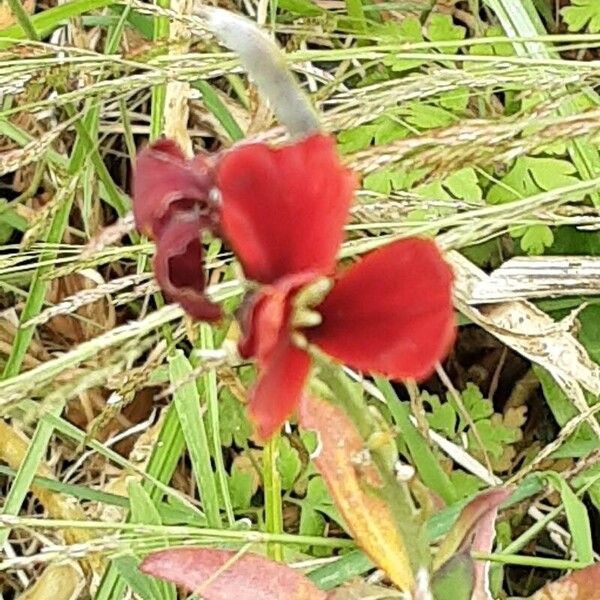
(178, 266)
(224, 574)
(279, 388)
(165, 180)
(391, 313)
(283, 209)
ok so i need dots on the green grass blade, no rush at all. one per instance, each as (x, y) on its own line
(26, 472)
(219, 110)
(209, 388)
(427, 465)
(189, 410)
(39, 287)
(577, 517)
(23, 19)
(47, 21)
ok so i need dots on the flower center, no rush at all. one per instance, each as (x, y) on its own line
(306, 300)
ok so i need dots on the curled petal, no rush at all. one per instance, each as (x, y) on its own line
(165, 182)
(178, 266)
(279, 388)
(391, 313)
(283, 209)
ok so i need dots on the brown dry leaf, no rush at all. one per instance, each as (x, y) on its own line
(579, 585)
(368, 517)
(58, 581)
(540, 277)
(526, 329)
(225, 574)
(177, 92)
(89, 320)
(6, 16)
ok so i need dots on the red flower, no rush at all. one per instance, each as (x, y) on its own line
(171, 204)
(283, 211)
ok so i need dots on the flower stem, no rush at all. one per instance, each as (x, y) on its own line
(272, 486)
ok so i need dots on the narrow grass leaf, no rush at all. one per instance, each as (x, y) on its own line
(426, 463)
(189, 411)
(577, 518)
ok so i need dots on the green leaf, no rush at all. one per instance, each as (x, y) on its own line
(427, 116)
(466, 485)
(441, 28)
(147, 588)
(233, 422)
(356, 138)
(582, 13)
(442, 417)
(408, 30)
(241, 487)
(304, 8)
(551, 173)
(494, 436)
(189, 412)
(476, 405)
(589, 336)
(454, 580)
(583, 440)
(463, 184)
(493, 49)
(428, 466)
(455, 100)
(47, 20)
(577, 517)
(288, 463)
(389, 130)
(143, 509)
(536, 238)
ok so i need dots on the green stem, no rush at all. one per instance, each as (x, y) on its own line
(272, 487)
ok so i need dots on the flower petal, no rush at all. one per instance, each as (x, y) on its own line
(178, 266)
(164, 180)
(391, 313)
(279, 388)
(283, 209)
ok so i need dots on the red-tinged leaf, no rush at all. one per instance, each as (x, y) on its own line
(391, 313)
(165, 182)
(283, 209)
(578, 585)
(178, 266)
(474, 530)
(279, 388)
(221, 575)
(367, 516)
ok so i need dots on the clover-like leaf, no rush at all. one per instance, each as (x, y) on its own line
(582, 13)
